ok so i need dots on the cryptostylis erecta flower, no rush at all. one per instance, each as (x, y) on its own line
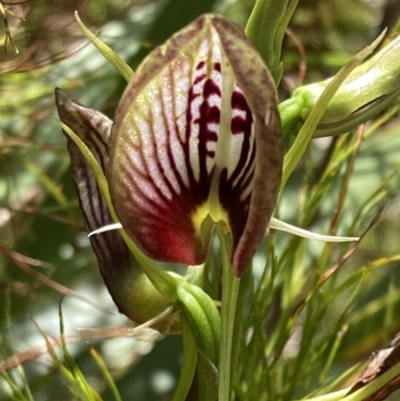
(196, 140)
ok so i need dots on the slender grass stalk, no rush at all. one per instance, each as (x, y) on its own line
(230, 293)
(188, 369)
(106, 51)
(106, 374)
(26, 393)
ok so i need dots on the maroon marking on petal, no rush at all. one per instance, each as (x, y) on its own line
(240, 125)
(177, 216)
(200, 65)
(199, 79)
(171, 157)
(161, 224)
(207, 115)
(211, 88)
(232, 188)
(189, 117)
(174, 167)
(145, 164)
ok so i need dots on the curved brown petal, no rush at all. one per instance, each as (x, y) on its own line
(256, 82)
(121, 273)
(197, 133)
(94, 129)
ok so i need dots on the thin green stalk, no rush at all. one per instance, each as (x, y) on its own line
(189, 361)
(106, 51)
(20, 369)
(106, 374)
(336, 396)
(230, 292)
(80, 379)
(245, 285)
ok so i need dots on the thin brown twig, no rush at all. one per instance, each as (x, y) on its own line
(303, 59)
(4, 10)
(350, 252)
(28, 260)
(346, 180)
(50, 216)
(49, 282)
(83, 335)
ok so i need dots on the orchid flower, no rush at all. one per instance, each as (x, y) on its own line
(196, 140)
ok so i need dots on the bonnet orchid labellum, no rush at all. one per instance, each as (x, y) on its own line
(197, 139)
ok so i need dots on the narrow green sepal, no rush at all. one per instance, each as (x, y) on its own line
(189, 364)
(106, 51)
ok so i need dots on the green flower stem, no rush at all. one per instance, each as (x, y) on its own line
(372, 79)
(189, 361)
(106, 51)
(106, 374)
(245, 285)
(231, 312)
(266, 29)
(204, 319)
(164, 282)
(305, 135)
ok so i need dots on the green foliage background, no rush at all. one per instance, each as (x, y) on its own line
(40, 218)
